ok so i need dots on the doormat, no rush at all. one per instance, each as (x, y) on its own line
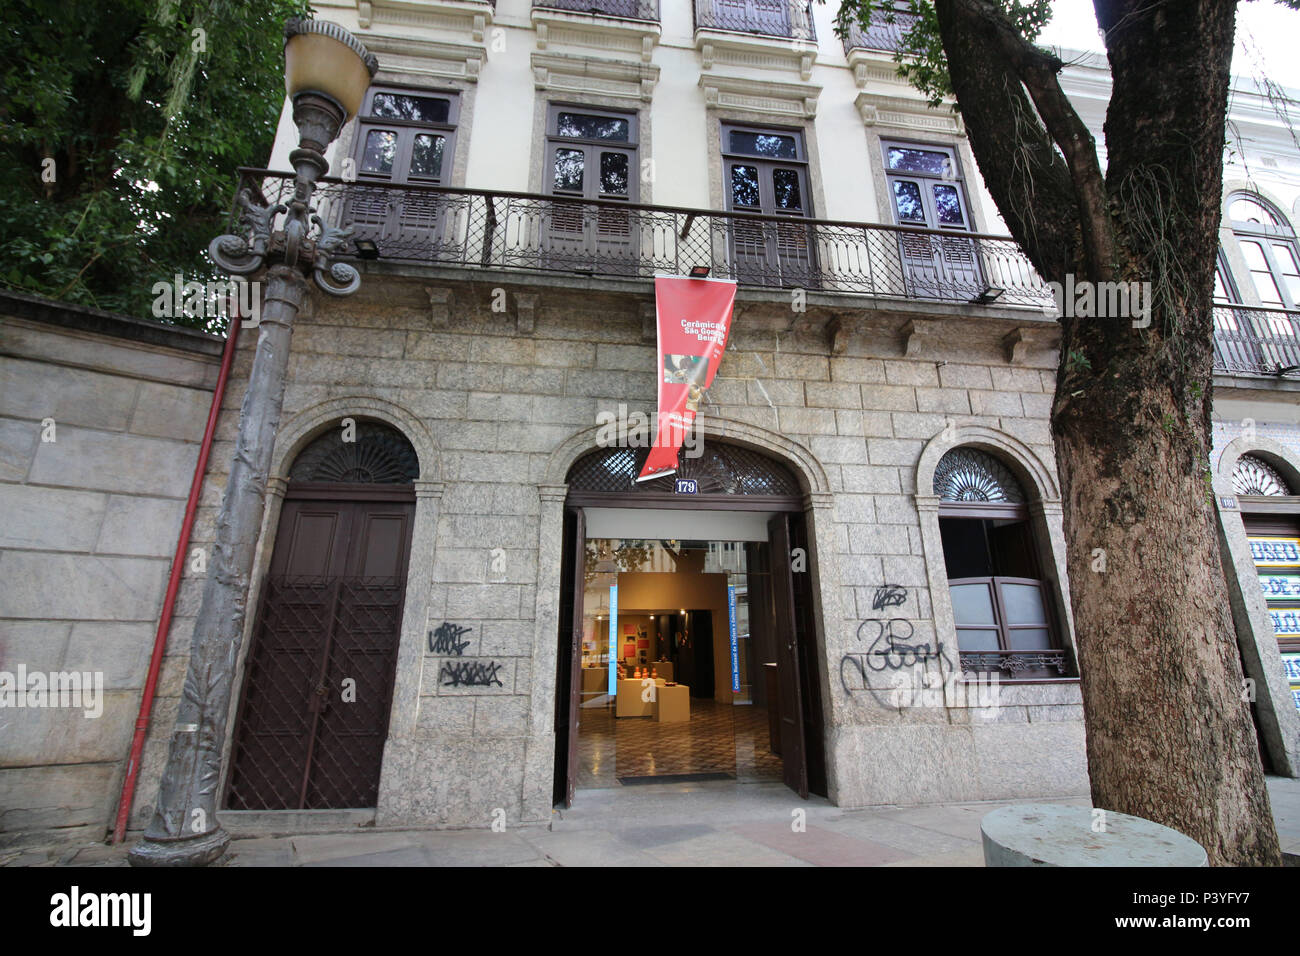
(675, 778)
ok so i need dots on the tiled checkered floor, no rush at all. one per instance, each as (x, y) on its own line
(719, 738)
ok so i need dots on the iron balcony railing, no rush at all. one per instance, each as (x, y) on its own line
(774, 18)
(879, 34)
(493, 229)
(623, 9)
(1256, 340)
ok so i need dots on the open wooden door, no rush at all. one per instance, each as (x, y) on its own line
(568, 677)
(786, 635)
(810, 695)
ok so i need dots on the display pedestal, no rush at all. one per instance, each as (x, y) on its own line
(673, 704)
(629, 702)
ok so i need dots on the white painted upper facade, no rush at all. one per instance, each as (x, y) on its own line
(506, 64)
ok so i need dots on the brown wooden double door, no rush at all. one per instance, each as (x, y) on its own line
(319, 675)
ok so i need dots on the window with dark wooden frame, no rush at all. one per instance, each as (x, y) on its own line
(925, 186)
(926, 191)
(591, 154)
(404, 138)
(765, 171)
(1002, 606)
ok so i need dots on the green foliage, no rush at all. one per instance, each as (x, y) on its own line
(145, 107)
(921, 59)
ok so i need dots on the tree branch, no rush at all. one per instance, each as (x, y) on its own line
(1037, 70)
(1030, 182)
(1165, 125)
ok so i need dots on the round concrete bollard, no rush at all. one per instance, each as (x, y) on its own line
(1045, 834)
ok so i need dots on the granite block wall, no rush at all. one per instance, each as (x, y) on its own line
(500, 413)
(100, 423)
(497, 408)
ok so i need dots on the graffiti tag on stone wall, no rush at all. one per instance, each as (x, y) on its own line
(449, 638)
(470, 674)
(446, 639)
(888, 595)
(890, 646)
(893, 653)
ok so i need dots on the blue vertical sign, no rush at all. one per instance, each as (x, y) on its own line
(735, 648)
(613, 637)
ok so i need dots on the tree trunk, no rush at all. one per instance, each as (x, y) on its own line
(1169, 734)
(1168, 728)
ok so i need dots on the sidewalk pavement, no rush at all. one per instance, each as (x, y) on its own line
(703, 824)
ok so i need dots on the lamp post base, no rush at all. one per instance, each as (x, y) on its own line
(198, 850)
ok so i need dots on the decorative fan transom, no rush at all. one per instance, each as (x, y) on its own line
(1254, 476)
(379, 455)
(720, 469)
(967, 474)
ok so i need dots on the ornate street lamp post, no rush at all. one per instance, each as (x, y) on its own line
(327, 72)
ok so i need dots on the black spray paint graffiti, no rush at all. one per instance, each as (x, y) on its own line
(888, 595)
(891, 649)
(446, 639)
(470, 674)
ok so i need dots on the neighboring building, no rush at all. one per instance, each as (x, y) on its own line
(517, 177)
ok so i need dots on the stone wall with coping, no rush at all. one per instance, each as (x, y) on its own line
(90, 523)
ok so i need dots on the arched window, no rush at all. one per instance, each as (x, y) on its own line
(1001, 604)
(1268, 244)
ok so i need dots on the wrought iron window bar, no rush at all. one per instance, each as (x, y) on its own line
(1014, 663)
(493, 229)
(879, 34)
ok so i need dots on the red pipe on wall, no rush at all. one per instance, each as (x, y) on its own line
(173, 586)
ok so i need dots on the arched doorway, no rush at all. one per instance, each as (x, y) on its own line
(1269, 498)
(729, 523)
(318, 681)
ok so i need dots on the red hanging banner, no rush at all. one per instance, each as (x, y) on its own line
(694, 318)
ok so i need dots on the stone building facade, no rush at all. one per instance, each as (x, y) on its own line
(497, 418)
(495, 350)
